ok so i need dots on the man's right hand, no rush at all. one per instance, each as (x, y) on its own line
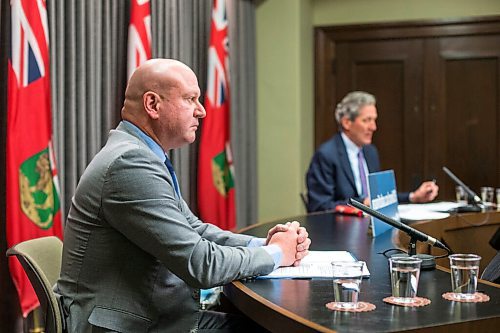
(287, 241)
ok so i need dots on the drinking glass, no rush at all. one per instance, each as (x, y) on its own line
(488, 194)
(498, 198)
(464, 272)
(460, 194)
(405, 273)
(347, 276)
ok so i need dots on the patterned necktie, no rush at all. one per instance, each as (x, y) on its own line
(172, 174)
(362, 174)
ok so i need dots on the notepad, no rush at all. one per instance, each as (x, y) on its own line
(317, 264)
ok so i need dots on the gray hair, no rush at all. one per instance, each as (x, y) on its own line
(351, 104)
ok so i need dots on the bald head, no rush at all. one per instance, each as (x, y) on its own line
(157, 75)
(153, 73)
(157, 93)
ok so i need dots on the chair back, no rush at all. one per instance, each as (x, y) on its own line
(41, 260)
(303, 197)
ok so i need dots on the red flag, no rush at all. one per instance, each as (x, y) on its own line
(32, 190)
(215, 169)
(139, 34)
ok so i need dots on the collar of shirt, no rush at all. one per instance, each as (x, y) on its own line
(351, 147)
(155, 147)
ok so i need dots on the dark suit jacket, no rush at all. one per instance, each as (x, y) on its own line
(134, 255)
(330, 181)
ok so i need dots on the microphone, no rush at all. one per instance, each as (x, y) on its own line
(477, 200)
(413, 233)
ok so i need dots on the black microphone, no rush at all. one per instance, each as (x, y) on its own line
(477, 200)
(413, 233)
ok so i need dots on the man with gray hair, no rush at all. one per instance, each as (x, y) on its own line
(339, 168)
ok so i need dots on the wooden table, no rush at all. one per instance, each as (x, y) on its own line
(299, 305)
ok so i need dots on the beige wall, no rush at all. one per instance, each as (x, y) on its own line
(284, 104)
(285, 83)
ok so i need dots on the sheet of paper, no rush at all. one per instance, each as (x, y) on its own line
(316, 265)
(415, 213)
(429, 211)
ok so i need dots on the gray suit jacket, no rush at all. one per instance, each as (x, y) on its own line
(134, 255)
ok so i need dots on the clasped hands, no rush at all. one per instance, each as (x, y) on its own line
(292, 239)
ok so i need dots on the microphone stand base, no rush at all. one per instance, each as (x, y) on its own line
(428, 261)
(466, 209)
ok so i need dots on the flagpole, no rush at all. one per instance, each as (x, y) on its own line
(37, 322)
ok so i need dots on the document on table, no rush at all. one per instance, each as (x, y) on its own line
(317, 264)
(428, 211)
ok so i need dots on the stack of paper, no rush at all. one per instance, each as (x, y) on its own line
(317, 264)
(429, 211)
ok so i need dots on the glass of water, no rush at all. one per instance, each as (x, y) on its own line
(487, 194)
(464, 272)
(498, 198)
(461, 194)
(347, 276)
(405, 273)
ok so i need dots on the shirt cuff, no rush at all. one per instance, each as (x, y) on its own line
(273, 250)
(256, 242)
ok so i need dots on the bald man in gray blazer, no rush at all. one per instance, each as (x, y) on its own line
(134, 254)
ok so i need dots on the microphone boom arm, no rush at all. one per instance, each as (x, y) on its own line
(477, 200)
(414, 234)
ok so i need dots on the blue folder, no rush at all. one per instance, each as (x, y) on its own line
(383, 198)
